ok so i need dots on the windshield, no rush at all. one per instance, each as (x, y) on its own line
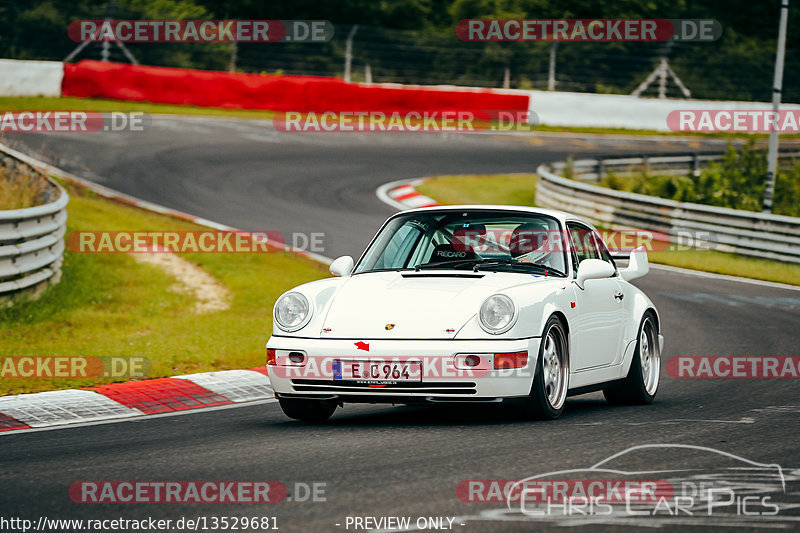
(468, 240)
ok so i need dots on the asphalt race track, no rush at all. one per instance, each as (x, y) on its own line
(408, 461)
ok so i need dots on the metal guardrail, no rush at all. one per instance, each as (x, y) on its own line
(596, 169)
(32, 242)
(717, 228)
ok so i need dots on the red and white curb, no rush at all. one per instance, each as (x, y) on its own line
(120, 401)
(117, 401)
(402, 195)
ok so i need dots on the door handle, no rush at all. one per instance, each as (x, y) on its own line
(619, 296)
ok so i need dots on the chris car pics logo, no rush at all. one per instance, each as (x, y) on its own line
(722, 485)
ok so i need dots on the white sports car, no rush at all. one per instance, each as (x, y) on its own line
(469, 304)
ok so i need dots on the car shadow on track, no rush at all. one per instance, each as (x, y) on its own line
(446, 415)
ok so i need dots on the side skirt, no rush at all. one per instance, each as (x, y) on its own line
(593, 388)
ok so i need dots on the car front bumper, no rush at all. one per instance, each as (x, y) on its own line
(444, 378)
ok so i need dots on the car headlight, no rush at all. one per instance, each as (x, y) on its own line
(292, 311)
(497, 314)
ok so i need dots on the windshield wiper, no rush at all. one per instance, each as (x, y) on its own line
(496, 261)
(511, 262)
(438, 264)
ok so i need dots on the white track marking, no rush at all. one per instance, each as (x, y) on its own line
(743, 420)
(61, 407)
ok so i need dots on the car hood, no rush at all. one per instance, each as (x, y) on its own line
(409, 305)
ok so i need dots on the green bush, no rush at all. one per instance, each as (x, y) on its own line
(735, 181)
(787, 192)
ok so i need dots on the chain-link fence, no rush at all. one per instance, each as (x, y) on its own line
(735, 67)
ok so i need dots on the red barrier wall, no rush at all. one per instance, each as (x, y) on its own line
(279, 93)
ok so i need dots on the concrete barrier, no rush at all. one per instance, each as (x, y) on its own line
(623, 111)
(30, 78)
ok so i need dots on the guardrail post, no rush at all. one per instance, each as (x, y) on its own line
(696, 164)
(645, 164)
(601, 169)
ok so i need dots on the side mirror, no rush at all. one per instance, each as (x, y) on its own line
(638, 265)
(342, 266)
(593, 269)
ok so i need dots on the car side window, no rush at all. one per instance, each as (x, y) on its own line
(395, 255)
(582, 243)
(605, 255)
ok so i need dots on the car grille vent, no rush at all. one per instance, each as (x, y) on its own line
(428, 387)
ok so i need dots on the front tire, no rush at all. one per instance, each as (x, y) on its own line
(549, 390)
(307, 410)
(641, 384)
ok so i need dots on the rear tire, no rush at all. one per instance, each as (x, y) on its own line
(549, 390)
(641, 384)
(307, 410)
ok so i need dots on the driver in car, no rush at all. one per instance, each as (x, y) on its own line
(531, 243)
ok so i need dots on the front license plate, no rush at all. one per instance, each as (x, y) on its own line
(375, 371)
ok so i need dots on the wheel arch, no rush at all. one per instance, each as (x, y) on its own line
(632, 338)
(563, 318)
(652, 310)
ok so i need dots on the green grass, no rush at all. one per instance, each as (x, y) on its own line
(20, 189)
(51, 103)
(520, 189)
(730, 264)
(112, 305)
(513, 189)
